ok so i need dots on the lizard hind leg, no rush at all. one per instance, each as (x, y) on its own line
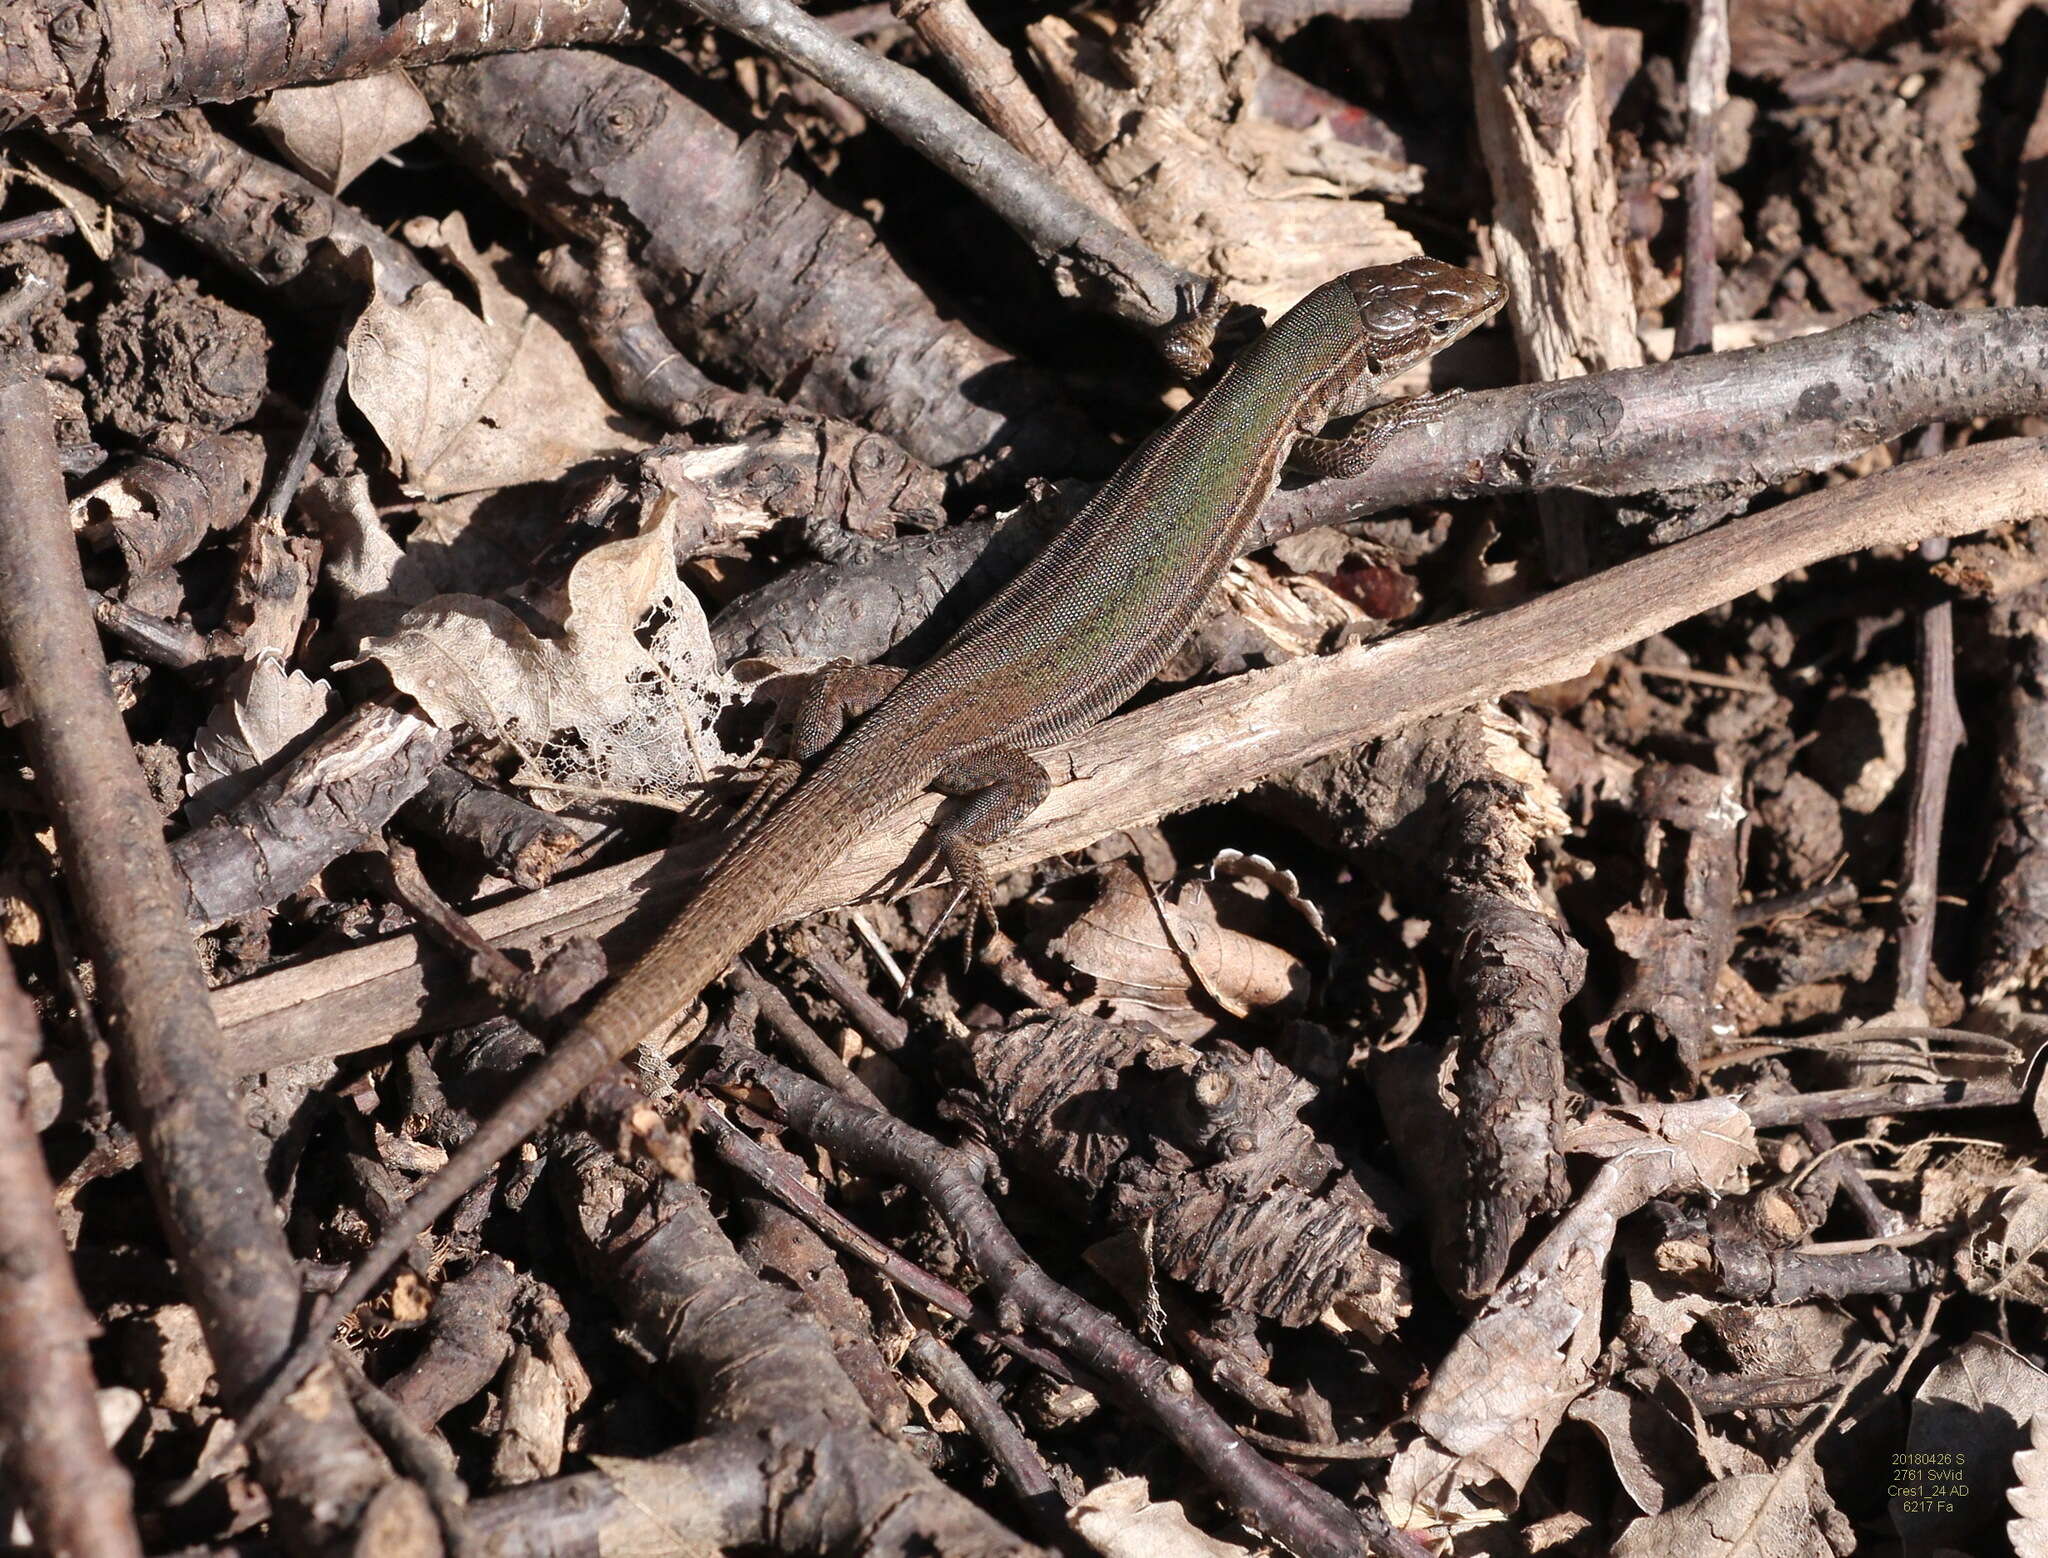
(841, 692)
(1001, 787)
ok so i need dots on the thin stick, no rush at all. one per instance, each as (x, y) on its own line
(781, 1176)
(1859, 1103)
(1706, 89)
(802, 1040)
(1016, 1461)
(988, 76)
(60, 1471)
(878, 1025)
(278, 500)
(423, 1455)
(1937, 732)
(1307, 1521)
(44, 224)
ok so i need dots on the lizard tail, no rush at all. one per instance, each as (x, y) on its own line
(746, 894)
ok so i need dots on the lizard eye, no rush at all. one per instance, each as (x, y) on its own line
(1440, 327)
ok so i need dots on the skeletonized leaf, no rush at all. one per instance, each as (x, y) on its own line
(2005, 1254)
(331, 133)
(593, 707)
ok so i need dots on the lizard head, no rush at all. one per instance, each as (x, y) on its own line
(1418, 306)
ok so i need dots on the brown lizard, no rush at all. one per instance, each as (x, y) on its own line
(1073, 635)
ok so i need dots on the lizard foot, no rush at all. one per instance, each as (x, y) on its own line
(774, 782)
(971, 893)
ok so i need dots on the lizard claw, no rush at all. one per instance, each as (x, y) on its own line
(972, 893)
(774, 782)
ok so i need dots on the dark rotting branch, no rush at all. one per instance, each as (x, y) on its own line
(1301, 1517)
(1116, 268)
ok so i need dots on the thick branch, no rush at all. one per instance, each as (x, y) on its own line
(1704, 430)
(731, 236)
(136, 58)
(258, 218)
(197, 1149)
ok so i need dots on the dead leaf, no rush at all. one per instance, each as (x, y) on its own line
(1649, 1449)
(1499, 1395)
(2028, 1495)
(331, 133)
(1713, 1134)
(1762, 1515)
(1779, 38)
(1971, 1417)
(167, 1348)
(1861, 752)
(593, 708)
(462, 400)
(1145, 954)
(267, 712)
(373, 578)
(1119, 1520)
(1236, 865)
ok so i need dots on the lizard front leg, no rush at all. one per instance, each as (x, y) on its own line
(1002, 787)
(1353, 455)
(840, 693)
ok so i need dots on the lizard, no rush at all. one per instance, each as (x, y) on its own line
(1069, 639)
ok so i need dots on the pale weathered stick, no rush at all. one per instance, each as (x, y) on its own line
(1543, 132)
(1203, 744)
(1556, 215)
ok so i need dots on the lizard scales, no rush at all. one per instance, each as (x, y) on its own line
(1074, 634)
